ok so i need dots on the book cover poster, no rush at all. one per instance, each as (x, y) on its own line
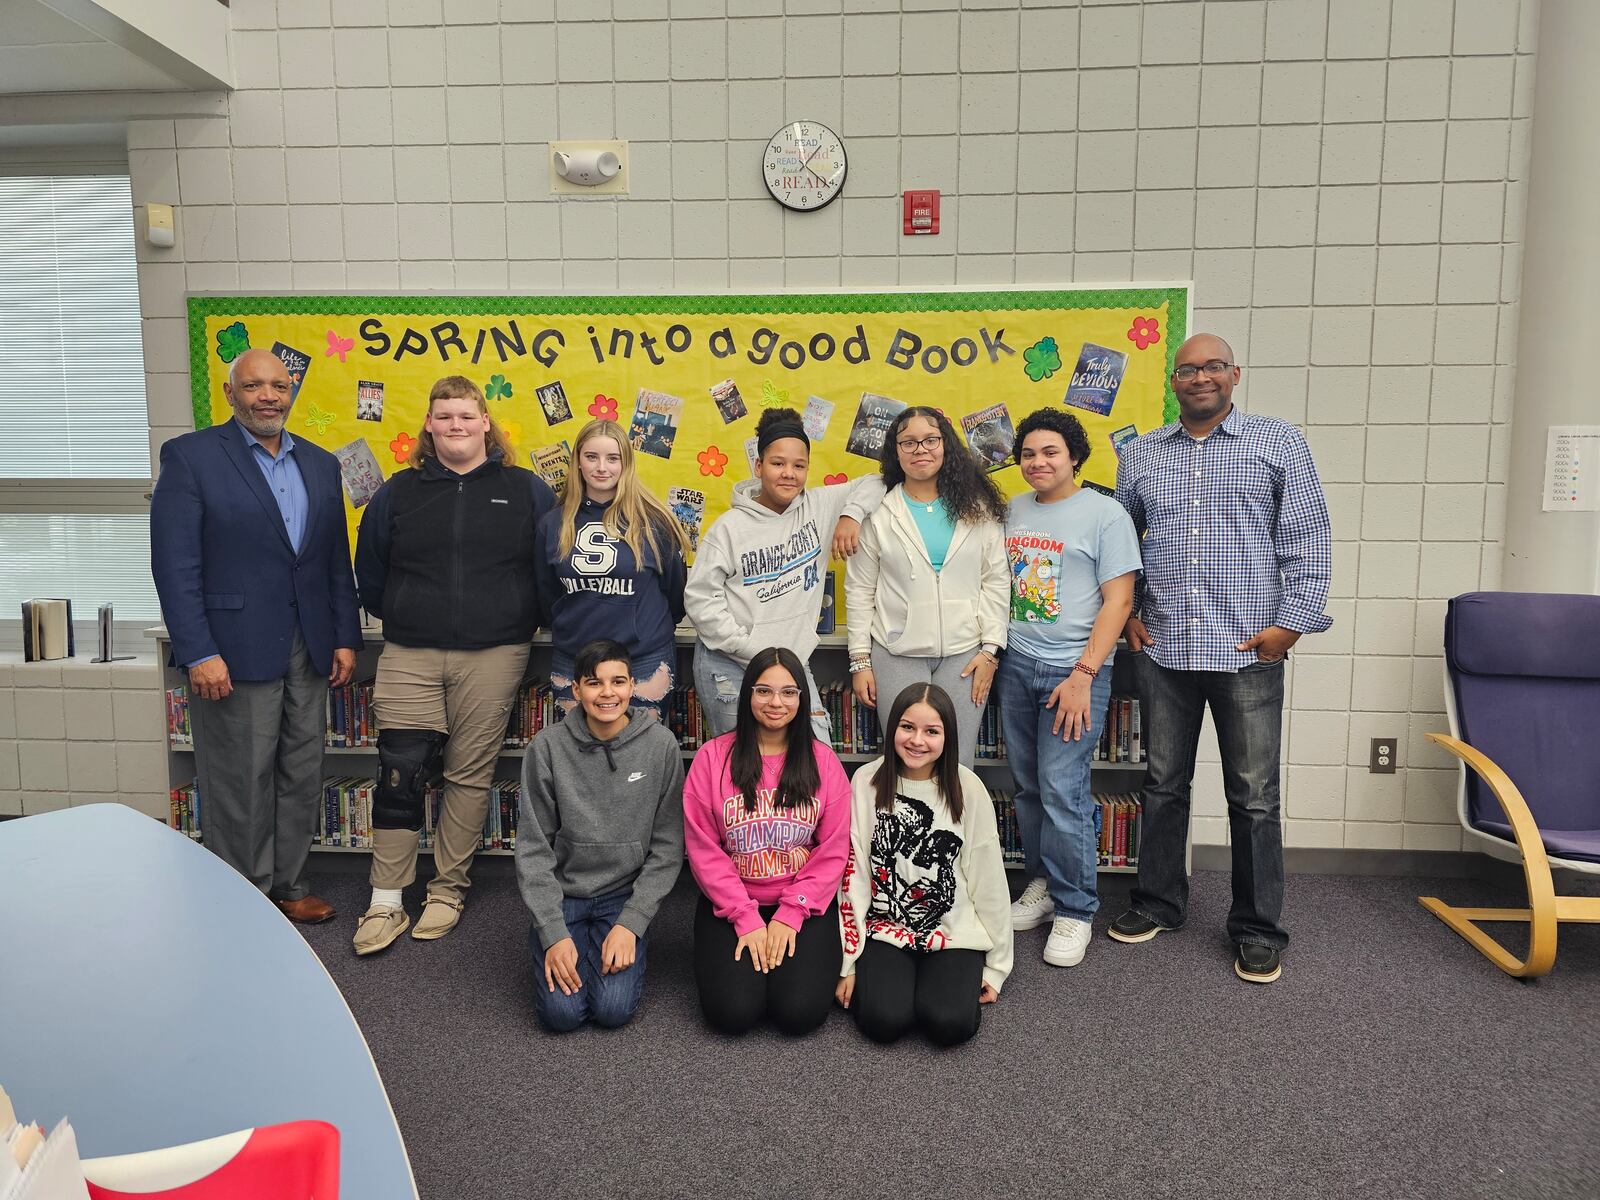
(730, 404)
(655, 423)
(553, 400)
(551, 464)
(871, 426)
(991, 436)
(1096, 378)
(816, 417)
(298, 362)
(1121, 437)
(369, 400)
(689, 506)
(752, 452)
(359, 469)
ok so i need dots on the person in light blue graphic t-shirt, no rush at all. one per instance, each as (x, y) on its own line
(1074, 556)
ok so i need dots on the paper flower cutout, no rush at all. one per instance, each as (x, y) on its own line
(1041, 360)
(317, 419)
(603, 407)
(401, 448)
(232, 341)
(338, 345)
(1145, 333)
(498, 388)
(712, 461)
(773, 396)
(841, 477)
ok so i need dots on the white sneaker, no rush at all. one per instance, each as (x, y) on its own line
(1034, 907)
(1068, 940)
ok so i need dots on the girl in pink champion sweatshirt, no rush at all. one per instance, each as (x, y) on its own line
(766, 817)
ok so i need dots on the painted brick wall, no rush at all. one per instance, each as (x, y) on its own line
(1343, 180)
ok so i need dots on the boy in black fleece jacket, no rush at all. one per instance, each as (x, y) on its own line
(601, 845)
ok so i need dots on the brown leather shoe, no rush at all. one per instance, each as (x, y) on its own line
(308, 910)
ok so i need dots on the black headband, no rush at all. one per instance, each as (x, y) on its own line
(780, 429)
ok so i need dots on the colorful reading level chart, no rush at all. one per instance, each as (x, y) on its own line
(688, 376)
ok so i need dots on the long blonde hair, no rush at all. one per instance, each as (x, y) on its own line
(635, 515)
(459, 387)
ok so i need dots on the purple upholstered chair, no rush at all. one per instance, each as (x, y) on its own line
(1522, 687)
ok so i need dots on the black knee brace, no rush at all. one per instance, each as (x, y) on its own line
(409, 762)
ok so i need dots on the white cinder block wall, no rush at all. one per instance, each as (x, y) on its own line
(1343, 180)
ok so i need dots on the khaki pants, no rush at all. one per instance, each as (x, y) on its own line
(466, 694)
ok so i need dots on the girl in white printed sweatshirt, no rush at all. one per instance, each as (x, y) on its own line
(757, 577)
(924, 911)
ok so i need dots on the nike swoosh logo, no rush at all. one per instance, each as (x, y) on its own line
(635, 775)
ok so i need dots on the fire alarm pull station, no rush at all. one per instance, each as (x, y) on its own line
(921, 212)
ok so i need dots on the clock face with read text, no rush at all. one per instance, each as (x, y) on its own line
(804, 165)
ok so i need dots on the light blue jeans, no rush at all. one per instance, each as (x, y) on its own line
(716, 684)
(1056, 815)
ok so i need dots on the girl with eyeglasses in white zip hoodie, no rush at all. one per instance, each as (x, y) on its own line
(928, 593)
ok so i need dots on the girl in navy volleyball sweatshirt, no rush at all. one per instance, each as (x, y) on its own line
(610, 561)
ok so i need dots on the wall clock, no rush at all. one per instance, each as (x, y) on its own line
(804, 165)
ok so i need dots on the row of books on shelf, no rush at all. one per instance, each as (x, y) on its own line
(351, 724)
(1119, 829)
(345, 817)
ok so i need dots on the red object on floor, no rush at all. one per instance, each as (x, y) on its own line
(298, 1160)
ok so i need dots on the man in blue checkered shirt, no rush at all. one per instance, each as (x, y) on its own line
(1237, 558)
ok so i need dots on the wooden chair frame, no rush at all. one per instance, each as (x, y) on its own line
(1545, 909)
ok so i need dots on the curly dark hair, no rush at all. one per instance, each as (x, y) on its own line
(966, 489)
(1055, 421)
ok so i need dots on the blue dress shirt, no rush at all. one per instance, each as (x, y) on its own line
(1236, 538)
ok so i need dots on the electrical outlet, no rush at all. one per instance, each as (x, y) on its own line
(1383, 754)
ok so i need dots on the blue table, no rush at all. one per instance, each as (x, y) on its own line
(151, 994)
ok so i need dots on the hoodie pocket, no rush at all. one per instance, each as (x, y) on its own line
(593, 866)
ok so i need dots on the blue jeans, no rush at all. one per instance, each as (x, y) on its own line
(608, 1000)
(1058, 819)
(717, 677)
(1247, 709)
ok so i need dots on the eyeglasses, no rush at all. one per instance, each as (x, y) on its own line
(1216, 368)
(789, 695)
(932, 442)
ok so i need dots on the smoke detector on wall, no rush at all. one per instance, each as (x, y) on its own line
(588, 168)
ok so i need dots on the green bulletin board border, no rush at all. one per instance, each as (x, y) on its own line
(834, 303)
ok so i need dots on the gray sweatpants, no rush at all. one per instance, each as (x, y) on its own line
(893, 673)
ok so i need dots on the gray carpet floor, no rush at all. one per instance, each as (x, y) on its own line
(1391, 1060)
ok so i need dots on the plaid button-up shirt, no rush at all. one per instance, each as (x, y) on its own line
(1236, 538)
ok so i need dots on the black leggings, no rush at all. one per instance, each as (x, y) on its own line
(935, 990)
(796, 995)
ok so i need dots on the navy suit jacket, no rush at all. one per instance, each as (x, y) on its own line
(229, 581)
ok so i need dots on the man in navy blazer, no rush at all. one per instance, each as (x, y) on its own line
(251, 557)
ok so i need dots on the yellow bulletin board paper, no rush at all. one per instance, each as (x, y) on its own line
(688, 376)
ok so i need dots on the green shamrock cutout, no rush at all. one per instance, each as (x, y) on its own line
(232, 341)
(498, 388)
(1041, 360)
(773, 396)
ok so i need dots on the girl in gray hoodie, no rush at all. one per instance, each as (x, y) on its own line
(601, 819)
(757, 577)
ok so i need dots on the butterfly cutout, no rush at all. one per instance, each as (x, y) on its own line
(773, 396)
(338, 345)
(319, 420)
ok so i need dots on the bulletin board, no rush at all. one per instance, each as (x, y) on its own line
(688, 376)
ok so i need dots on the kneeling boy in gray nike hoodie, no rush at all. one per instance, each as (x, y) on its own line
(601, 824)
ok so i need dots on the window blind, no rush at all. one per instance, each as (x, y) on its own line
(70, 347)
